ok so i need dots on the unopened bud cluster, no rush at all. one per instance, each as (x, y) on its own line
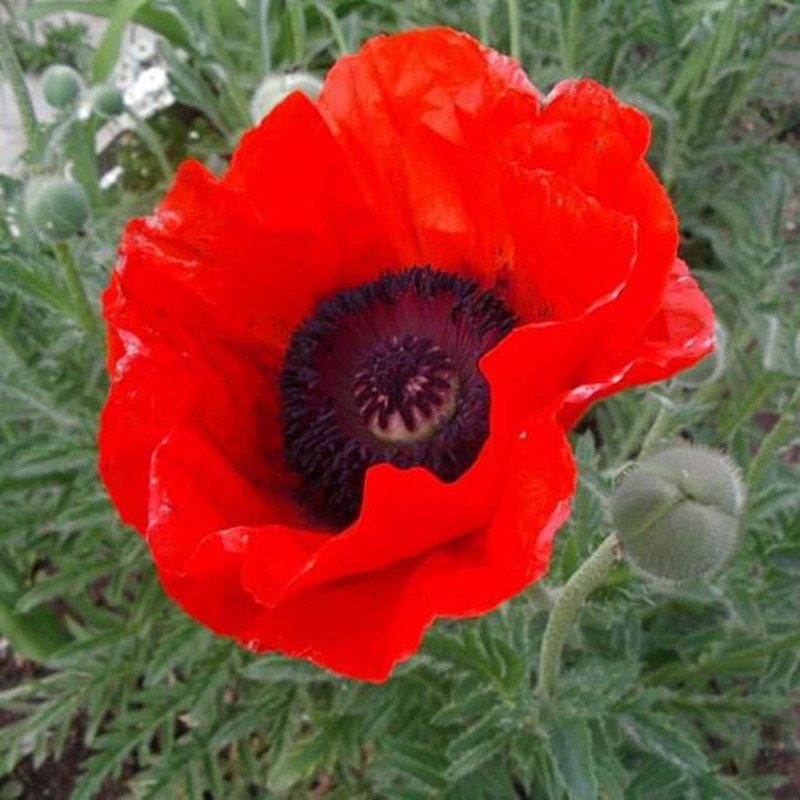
(677, 513)
(61, 85)
(56, 207)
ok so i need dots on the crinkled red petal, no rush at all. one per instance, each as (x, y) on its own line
(681, 333)
(568, 255)
(420, 116)
(561, 375)
(208, 290)
(405, 514)
(362, 625)
(587, 136)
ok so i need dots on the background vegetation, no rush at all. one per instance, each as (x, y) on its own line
(668, 692)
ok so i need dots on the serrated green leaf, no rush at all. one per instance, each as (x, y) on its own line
(656, 734)
(36, 634)
(571, 746)
(476, 745)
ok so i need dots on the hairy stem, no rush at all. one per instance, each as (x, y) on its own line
(69, 269)
(583, 582)
(13, 73)
(153, 142)
(514, 34)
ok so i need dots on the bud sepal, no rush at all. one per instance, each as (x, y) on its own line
(677, 513)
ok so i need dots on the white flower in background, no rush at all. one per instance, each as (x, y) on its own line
(84, 108)
(143, 81)
(126, 122)
(153, 80)
(165, 99)
(108, 179)
(146, 108)
(125, 73)
(134, 96)
(275, 88)
(143, 50)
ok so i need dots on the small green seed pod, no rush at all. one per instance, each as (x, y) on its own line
(677, 513)
(57, 208)
(107, 100)
(61, 85)
(275, 88)
(712, 366)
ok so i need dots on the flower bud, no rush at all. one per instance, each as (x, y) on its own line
(57, 208)
(61, 85)
(277, 87)
(107, 100)
(677, 513)
(708, 369)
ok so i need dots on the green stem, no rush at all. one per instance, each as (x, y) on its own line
(657, 431)
(633, 438)
(297, 24)
(483, 21)
(336, 28)
(84, 158)
(583, 582)
(263, 35)
(514, 33)
(209, 12)
(69, 269)
(13, 72)
(569, 36)
(153, 142)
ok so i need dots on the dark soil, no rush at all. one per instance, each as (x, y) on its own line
(55, 778)
(781, 756)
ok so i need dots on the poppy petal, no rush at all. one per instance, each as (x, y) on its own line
(569, 254)
(677, 337)
(265, 243)
(556, 364)
(187, 466)
(177, 376)
(405, 513)
(420, 116)
(363, 625)
(598, 143)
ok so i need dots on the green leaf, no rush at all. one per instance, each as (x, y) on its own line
(417, 760)
(79, 577)
(36, 634)
(476, 745)
(275, 668)
(299, 762)
(571, 745)
(108, 48)
(162, 21)
(656, 734)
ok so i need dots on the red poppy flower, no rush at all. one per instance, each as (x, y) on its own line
(342, 374)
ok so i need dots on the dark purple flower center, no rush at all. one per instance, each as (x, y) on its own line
(388, 373)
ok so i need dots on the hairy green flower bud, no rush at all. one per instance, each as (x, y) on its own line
(107, 100)
(57, 208)
(277, 87)
(712, 366)
(677, 513)
(61, 85)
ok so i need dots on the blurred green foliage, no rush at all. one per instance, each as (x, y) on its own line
(666, 693)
